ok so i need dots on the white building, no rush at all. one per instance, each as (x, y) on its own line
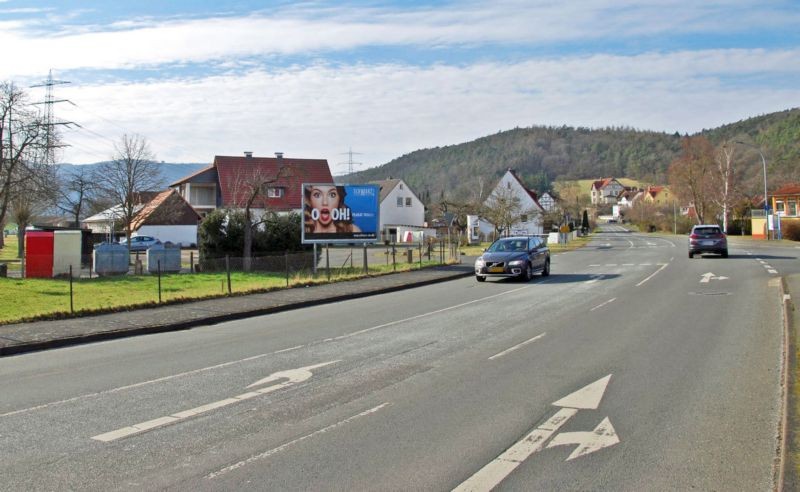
(531, 218)
(400, 209)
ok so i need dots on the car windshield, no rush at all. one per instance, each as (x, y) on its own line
(505, 245)
(706, 230)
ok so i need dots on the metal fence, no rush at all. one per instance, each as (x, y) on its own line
(81, 288)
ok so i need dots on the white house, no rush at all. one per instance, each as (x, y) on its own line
(531, 220)
(400, 209)
(606, 190)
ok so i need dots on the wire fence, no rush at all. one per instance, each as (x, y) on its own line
(33, 291)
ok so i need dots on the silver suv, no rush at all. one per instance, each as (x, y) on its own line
(708, 238)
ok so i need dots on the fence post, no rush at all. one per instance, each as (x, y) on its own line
(158, 267)
(420, 255)
(191, 261)
(286, 262)
(394, 258)
(366, 266)
(71, 306)
(228, 272)
(328, 260)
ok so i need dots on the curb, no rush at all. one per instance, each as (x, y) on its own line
(215, 319)
(785, 470)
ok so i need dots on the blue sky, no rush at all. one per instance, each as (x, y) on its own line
(312, 79)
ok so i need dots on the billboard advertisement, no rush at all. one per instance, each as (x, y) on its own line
(340, 213)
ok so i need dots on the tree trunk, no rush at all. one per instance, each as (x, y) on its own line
(248, 241)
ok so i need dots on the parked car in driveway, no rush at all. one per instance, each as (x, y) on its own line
(707, 238)
(140, 243)
(517, 256)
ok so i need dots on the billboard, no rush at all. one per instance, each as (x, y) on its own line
(340, 213)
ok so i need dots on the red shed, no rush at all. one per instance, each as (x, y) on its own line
(39, 254)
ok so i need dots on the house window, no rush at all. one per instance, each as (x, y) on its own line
(401, 186)
(408, 202)
(399, 201)
(780, 207)
(202, 196)
(274, 192)
(523, 218)
(508, 185)
(792, 208)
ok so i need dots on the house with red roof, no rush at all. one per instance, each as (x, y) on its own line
(223, 184)
(606, 190)
(658, 195)
(531, 218)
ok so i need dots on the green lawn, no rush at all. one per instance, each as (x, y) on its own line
(25, 299)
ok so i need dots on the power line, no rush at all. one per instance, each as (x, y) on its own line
(49, 100)
(350, 162)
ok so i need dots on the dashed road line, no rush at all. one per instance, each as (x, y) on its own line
(603, 304)
(518, 346)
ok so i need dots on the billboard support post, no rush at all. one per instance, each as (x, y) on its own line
(366, 266)
(314, 265)
(328, 261)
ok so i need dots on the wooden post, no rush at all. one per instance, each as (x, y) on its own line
(71, 306)
(228, 272)
(158, 267)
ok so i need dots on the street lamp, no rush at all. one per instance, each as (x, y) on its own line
(764, 164)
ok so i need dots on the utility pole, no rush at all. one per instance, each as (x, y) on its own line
(51, 142)
(350, 162)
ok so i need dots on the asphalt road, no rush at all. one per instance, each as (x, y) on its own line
(631, 367)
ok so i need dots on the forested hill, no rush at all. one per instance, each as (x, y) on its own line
(541, 155)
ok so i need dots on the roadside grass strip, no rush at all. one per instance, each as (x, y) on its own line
(33, 298)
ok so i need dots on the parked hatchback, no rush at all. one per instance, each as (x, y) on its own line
(141, 243)
(708, 239)
(519, 256)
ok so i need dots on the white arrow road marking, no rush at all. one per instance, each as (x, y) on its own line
(601, 437)
(586, 398)
(498, 469)
(708, 277)
(294, 376)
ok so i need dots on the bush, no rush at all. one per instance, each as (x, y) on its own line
(791, 231)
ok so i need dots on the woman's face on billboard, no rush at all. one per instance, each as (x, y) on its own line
(324, 199)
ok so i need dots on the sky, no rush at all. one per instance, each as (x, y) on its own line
(199, 78)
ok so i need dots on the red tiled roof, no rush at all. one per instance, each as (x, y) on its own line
(234, 170)
(789, 189)
(179, 212)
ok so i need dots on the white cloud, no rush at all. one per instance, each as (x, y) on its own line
(387, 110)
(311, 30)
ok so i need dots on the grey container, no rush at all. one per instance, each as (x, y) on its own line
(168, 254)
(110, 259)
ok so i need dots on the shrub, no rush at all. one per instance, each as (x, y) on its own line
(791, 230)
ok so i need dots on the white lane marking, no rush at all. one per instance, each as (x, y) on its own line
(140, 384)
(289, 349)
(498, 469)
(586, 398)
(294, 376)
(762, 262)
(645, 264)
(628, 264)
(423, 315)
(515, 347)
(601, 437)
(773, 271)
(787, 297)
(280, 448)
(653, 275)
(767, 266)
(595, 265)
(594, 279)
(603, 304)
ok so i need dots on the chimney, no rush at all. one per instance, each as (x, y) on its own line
(279, 155)
(248, 154)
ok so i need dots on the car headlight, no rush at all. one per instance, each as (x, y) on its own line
(516, 262)
(479, 262)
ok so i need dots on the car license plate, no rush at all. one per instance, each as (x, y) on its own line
(495, 269)
(708, 243)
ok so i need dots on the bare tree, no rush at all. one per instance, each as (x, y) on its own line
(726, 185)
(132, 171)
(250, 191)
(22, 132)
(75, 190)
(691, 175)
(504, 208)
